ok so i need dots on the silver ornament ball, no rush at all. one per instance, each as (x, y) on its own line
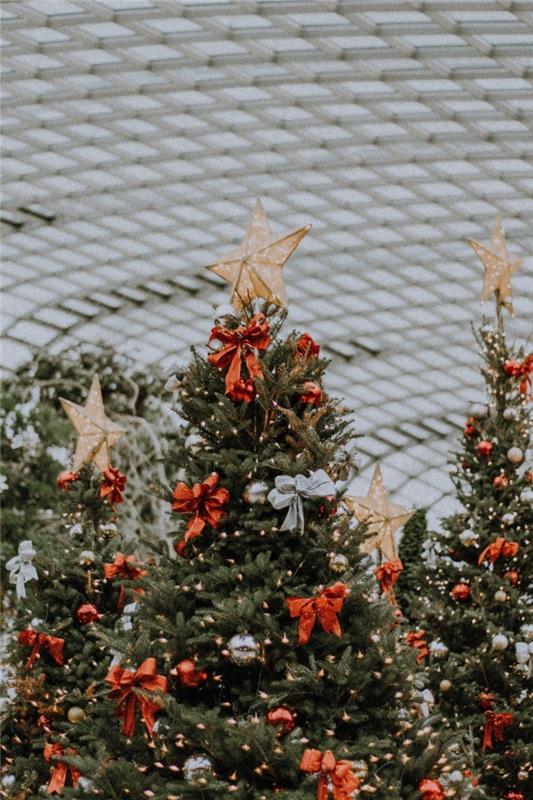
(500, 642)
(508, 518)
(197, 768)
(445, 685)
(438, 649)
(526, 631)
(515, 455)
(255, 493)
(338, 563)
(244, 649)
(468, 538)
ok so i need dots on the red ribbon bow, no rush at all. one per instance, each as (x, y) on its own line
(204, 501)
(335, 774)
(124, 688)
(416, 639)
(499, 547)
(124, 567)
(431, 789)
(326, 607)
(36, 640)
(523, 370)
(388, 573)
(495, 725)
(240, 344)
(61, 769)
(112, 486)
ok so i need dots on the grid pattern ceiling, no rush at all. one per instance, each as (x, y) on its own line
(137, 134)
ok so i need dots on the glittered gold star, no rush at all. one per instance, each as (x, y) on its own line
(96, 432)
(382, 517)
(255, 267)
(499, 267)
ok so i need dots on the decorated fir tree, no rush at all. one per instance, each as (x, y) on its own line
(264, 663)
(70, 590)
(475, 603)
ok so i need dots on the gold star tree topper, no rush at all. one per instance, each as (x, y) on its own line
(255, 267)
(499, 266)
(96, 432)
(382, 517)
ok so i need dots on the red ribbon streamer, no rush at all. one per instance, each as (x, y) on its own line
(326, 607)
(204, 502)
(337, 774)
(124, 688)
(495, 725)
(499, 547)
(124, 567)
(523, 370)
(416, 639)
(35, 640)
(112, 486)
(240, 344)
(388, 573)
(61, 769)
(431, 789)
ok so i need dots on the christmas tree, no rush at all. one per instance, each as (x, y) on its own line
(474, 600)
(71, 590)
(264, 663)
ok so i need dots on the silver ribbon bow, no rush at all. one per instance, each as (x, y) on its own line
(289, 492)
(524, 656)
(21, 570)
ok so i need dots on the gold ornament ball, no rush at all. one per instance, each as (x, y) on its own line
(500, 596)
(338, 563)
(255, 493)
(445, 685)
(75, 714)
(515, 455)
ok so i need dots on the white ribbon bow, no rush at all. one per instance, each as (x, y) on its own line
(21, 570)
(524, 656)
(289, 492)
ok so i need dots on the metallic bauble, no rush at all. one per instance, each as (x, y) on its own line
(468, 538)
(500, 642)
(255, 493)
(500, 596)
(75, 714)
(508, 518)
(526, 631)
(523, 775)
(445, 685)
(438, 649)
(197, 769)
(515, 455)
(360, 768)
(244, 649)
(338, 563)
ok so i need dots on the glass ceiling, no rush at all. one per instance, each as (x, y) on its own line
(137, 134)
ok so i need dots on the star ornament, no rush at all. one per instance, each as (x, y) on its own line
(96, 432)
(382, 517)
(499, 266)
(255, 267)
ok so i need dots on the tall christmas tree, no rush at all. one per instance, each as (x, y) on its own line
(262, 664)
(475, 603)
(71, 589)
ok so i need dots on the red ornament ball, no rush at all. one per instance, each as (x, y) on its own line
(500, 481)
(471, 428)
(460, 592)
(281, 715)
(65, 478)
(514, 796)
(188, 675)
(484, 448)
(431, 789)
(512, 576)
(486, 700)
(311, 393)
(87, 613)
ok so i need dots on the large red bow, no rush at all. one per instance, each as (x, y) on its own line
(431, 789)
(204, 501)
(112, 486)
(388, 573)
(237, 345)
(123, 567)
(326, 607)
(523, 370)
(124, 688)
(36, 640)
(499, 547)
(61, 769)
(495, 725)
(416, 639)
(335, 774)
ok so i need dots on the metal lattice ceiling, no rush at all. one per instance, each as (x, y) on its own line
(137, 134)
